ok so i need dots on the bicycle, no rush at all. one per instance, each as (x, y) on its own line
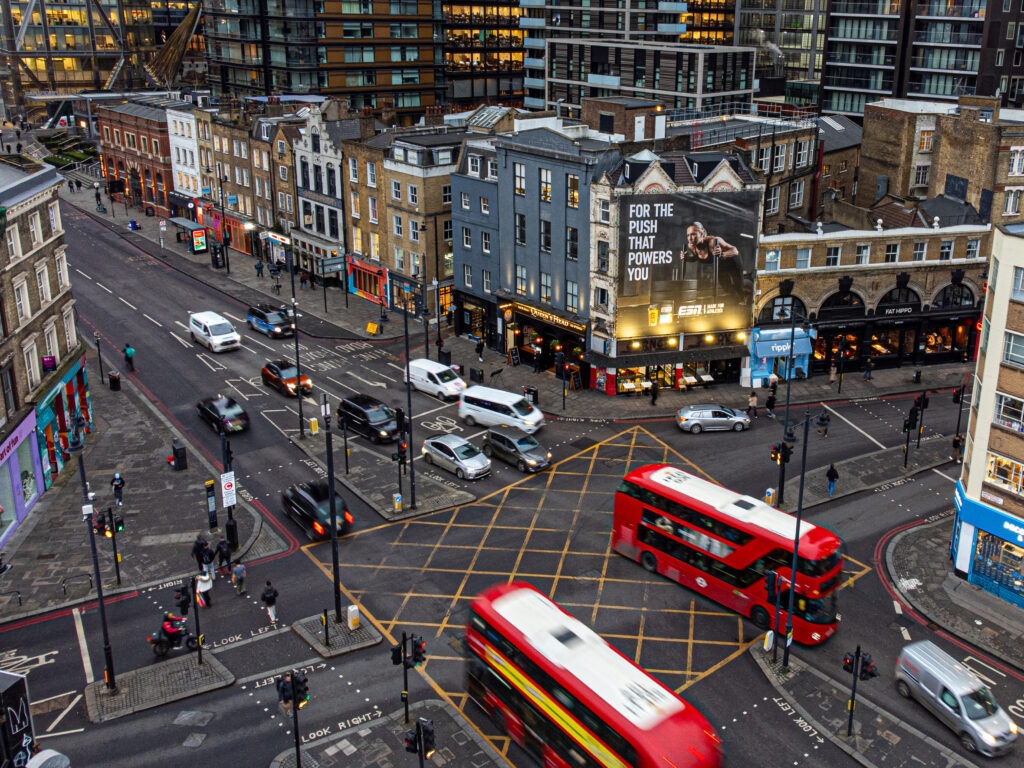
(277, 287)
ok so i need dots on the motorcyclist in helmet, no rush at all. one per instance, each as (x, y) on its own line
(173, 627)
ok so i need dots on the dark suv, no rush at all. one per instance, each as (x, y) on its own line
(369, 417)
(308, 504)
(273, 321)
(512, 445)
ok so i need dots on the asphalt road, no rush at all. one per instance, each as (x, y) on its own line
(418, 575)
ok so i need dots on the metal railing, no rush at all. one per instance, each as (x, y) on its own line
(12, 592)
(66, 579)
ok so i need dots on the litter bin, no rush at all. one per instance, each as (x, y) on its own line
(444, 357)
(532, 394)
(115, 381)
(917, 376)
(476, 374)
(216, 258)
(133, 225)
(179, 458)
(150, 211)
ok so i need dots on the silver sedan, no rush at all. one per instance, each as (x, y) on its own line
(710, 417)
(456, 455)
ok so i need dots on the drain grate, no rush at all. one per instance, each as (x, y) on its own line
(46, 557)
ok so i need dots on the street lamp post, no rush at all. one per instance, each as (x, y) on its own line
(99, 354)
(220, 226)
(383, 304)
(408, 403)
(325, 412)
(787, 429)
(76, 444)
(796, 539)
(298, 364)
(230, 527)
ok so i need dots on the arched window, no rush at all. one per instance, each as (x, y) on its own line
(954, 296)
(843, 300)
(778, 310)
(900, 296)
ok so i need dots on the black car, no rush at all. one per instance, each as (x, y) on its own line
(369, 417)
(273, 321)
(308, 505)
(223, 411)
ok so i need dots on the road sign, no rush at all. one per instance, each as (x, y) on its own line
(769, 640)
(227, 488)
(279, 238)
(163, 225)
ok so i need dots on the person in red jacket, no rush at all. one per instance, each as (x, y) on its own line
(174, 627)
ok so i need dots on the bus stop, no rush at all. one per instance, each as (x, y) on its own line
(192, 233)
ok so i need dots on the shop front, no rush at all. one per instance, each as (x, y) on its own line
(540, 334)
(53, 416)
(987, 546)
(368, 280)
(21, 476)
(782, 351)
(178, 203)
(480, 319)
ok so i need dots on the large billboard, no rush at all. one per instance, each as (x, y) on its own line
(686, 262)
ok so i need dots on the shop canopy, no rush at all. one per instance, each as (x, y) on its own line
(186, 224)
(774, 342)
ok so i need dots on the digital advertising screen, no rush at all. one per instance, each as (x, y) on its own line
(198, 240)
(686, 262)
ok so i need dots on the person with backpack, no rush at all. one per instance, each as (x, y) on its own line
(269, 598)
(209, 556)
(832, 476)
(223, 556)
(129, 357)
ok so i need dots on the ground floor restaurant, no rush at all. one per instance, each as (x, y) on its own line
(622, 372)
(987, 546)
(53, 417)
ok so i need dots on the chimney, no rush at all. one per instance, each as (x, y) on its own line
(388, 116)
(367, 124)
(434, 116)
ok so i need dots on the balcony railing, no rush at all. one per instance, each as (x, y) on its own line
(867, 7)
(867, 59)
(883, 84)
(942, 37)
(968, 63)
(973, 10)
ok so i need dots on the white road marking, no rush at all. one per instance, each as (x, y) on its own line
(398, 368)
(905, 632)
(386, 377)
(151, 319)
(59, 733)
(82, 274)
(183, 342)
(265, 346)
(210, 363)
(83, 647)
(236, 319)
(869, 437)
(51, 698)
(101, 285)
(346, 386)
(897, 607)
(971, 661)
(380, 384)
(128, 303)
(62, 715)
(943, 474)
(434, 410)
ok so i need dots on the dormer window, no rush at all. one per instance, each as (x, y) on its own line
(474, 165)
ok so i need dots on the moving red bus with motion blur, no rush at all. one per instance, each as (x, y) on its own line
(720, 543)
(570, 699)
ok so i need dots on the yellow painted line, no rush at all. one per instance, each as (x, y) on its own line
(714, 668)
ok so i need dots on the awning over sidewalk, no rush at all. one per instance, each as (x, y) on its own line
(186, 224)
(774, 342)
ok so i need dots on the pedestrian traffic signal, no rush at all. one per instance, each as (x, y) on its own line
(300, 689)
(771, 581)
(786, 452)
(118, 523)
(912, 418)
(411, 744)
(848, 662)
(906, 425)
(868, 668)
(99, 525)
(776, 454)
(400, 419)
(396, 654)
(427, 735)
(419, 650)
(957, 394)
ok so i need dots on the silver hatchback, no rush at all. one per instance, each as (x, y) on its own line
(708, 416)
(456, 455)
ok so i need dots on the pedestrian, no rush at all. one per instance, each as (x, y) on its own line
(769, 405)
(129, 357)
(204, 589)
(19, 148)
(654, 391)
(99, 200)
(238, 577)
(269, 598)
(71, 186)
(302, 279)
(284, 693)
(118, 485)
(823, 424)
(17, 132)
(78, 185)
(536, 357)
(197, 549)
(869, 366)
(259, 269)
(752, 404)
(440, 345)
(832, 475)
(223, 556)
(209, 556)
(183, 600)
(833, 373)
(7, 148)
(480, 350)
(958, 444)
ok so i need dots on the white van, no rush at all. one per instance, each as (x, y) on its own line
(491, 407)
(955, 695)
(435, 379)
(213, 331)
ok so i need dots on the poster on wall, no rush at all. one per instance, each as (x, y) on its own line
(686, 262)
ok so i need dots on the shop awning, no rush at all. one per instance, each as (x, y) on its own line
(696, 355)
(774, 342)
(186, 224)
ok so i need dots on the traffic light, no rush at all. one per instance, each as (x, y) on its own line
(786, 452)
(400, 419)
(848, 662)
(906, 425)
(868, 669)
(912, 418)
(396, 654)
(99, 525)
(118, 523)
(957, 394)
(300, 689)
(771, 581)
(403, 452)
(411, 744)
(776, 454)
(419, 650)
(427, 734)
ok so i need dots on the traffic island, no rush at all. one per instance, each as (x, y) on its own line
(156, 685)
(336, 638)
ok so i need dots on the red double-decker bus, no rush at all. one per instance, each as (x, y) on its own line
(570, 699)
(720, 543)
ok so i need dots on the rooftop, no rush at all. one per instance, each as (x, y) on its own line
(22, 177)
(838, 132)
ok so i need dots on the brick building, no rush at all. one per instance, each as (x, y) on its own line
(839, 140)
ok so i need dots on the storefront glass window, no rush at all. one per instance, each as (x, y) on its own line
(884, 342)
(29, 487)
(8, 515)
(999, 561)
(954, 296)
(1009, 412)
(950, 338)
(779, 310)
(1005, 473)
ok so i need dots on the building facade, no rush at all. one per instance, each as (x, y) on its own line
(789, 36)
(185, 161)
(42, 363)
(987, 546)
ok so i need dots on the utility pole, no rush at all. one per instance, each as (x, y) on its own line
(325, 412)
(408, 397)
(115, 524)
(796, 544)
(230, 527)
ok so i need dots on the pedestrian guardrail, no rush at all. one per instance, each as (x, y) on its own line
(66, 579)
(12, 592)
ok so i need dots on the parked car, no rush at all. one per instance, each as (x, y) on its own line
(285, 377)
(308, 504)
(514, 446)
(458, 455)
(710, 417)
(223, 411)
(273, 321)
(369, 417)
(213, 331)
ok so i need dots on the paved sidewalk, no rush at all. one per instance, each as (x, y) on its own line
(380, 743)
(163, 511)
(340, 639)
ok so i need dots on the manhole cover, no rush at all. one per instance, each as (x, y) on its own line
(194, 740)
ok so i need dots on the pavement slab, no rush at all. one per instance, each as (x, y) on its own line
(340, 638)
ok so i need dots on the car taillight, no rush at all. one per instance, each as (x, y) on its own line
(348, 517)
(317, 527)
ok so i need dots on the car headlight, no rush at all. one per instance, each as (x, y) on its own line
(988, 738)
(383, 433)
(531, 462)
(549, 454)
(1013, 727)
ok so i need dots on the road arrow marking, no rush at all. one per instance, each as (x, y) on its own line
(905, 632)
(380, 384)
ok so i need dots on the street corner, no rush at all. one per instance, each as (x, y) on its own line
(329, 637)
(153, 686)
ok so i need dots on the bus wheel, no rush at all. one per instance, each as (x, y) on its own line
(649, 561)
(760, 618)
(499, 719)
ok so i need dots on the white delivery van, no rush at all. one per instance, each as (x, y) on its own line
(435, 379)
(956, 696)
(491, 407)
(213, 331)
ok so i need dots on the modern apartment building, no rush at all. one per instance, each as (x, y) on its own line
(930, 50)
(986, 546)
(789, 36)
(43, 377)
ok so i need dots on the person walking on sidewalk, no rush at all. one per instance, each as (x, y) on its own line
(752, 404)
(833, 373)
(269, 598)
(204, 589)
(129, 357)
(197, 550)
(117, 483)
(259, 269)
(769, 405)
(832, 475)
(654, 391)
(209, 556)
(224, 556)
(480, 350)
(869, 366)
(302, 279)
(238, 577)
(958, 444)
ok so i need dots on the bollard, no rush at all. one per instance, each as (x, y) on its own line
(179, 458)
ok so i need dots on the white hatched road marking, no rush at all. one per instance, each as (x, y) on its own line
(83, 647)
(63, 714)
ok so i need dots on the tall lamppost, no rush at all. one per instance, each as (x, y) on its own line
(225, 237)
(796, 540)
(408, 400)
(787, 435)
(76, 445)
(325, 413)
(383, 303)
(436, 284)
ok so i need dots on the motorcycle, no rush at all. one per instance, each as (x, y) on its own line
(162, 644)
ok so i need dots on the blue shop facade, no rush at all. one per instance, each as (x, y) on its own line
(772, 348)
(987, 547)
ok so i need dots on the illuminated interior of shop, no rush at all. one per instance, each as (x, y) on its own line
(999, 560)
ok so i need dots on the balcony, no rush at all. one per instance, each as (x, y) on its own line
(671, 29)
(840, 33)
(533, 42)
(973, 10)
(875, 59)
(533, 82)
(668, 6)
(943, 37)
(533, 102)
(531, 3)
(525, 22)
(966, 63)
(533, 63)
(866, 7)
(872, 84)
(605, 81)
